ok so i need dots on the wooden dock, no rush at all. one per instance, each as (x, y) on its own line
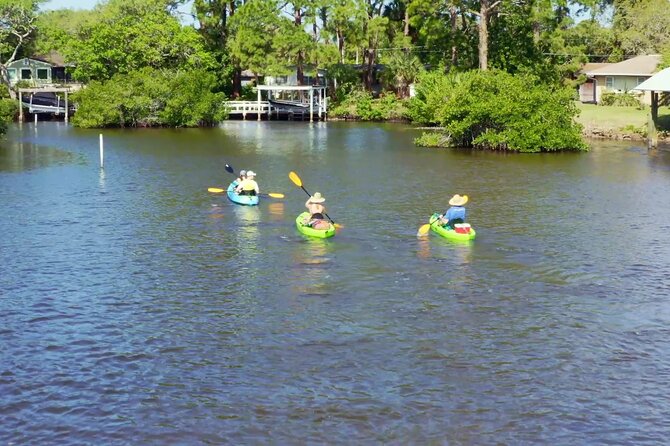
(313, 106)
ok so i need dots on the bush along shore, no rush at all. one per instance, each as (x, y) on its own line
(491, 110)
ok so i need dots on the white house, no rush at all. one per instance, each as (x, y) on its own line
(621, 77)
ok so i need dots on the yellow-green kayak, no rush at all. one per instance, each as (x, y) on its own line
(448, 232)
(308, 230)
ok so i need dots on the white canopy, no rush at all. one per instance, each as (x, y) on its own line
(658, 82)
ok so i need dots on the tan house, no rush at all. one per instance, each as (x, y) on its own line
(621, 77)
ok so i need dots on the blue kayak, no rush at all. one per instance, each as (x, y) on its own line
(247, 200)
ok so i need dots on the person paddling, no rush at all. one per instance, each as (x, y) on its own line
(316, 210)
(241, 177)
(456, 213)
(248, 186)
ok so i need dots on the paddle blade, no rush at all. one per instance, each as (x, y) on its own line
(338, 226)
(295, 178)
(423, 230)
(229, 168)
(275, 195)
(215, 190)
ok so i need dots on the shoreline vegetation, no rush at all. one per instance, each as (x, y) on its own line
(598, 122)
(486, 75)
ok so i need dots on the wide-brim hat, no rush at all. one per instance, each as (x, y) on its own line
(458, 200)
(251, 173)
(317, 198)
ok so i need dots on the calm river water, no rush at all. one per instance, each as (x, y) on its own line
(136, 308)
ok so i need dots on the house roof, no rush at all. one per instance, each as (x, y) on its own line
(588, 67)
(636, 66)
(658, 82)
(52, 57)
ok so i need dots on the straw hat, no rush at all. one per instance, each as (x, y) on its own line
(317, 198)
(251, 173)
(458, 200)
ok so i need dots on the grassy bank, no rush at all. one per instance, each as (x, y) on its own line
(619, 122)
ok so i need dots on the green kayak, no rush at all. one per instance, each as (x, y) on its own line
(308, 230)
(450, 233)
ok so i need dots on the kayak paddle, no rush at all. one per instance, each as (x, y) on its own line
(423, 230)
(298, 182)
(229, 169)
(217, 190)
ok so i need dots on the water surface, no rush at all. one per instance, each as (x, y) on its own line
(136, 308)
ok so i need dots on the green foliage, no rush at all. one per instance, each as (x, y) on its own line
(55, 29)
(126, 35)
(499, 111)
(17, 27)
(150, 98)
(360, 105)
(610, 98)
(432, 89)
(642, 26)
(346, 79)
(401, 68)
(640, 130)
(191, 101)
(17, 19)
(8, 111)
(251, 29)
(665, 57)
(433, 139)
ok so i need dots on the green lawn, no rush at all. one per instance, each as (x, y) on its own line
(616, 118)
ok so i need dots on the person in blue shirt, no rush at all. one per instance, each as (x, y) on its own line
(456, 213)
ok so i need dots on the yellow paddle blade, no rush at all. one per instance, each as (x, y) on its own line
(423, 230)
(275, 195)
(338, 226)
(295, 178)
(215, 190)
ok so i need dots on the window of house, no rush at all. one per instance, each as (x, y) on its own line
(11, 72)
(609, 82)
(26, 73)
(42, 73)
(641, 79)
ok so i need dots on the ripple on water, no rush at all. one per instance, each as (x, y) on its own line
(133, 311)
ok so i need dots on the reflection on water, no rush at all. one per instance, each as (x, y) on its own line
(276, 210)
(21, 156)
(312, 265)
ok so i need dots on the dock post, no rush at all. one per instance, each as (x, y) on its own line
(67, 108)
(311, 105)
(652, 135)
(258, 104)
(320, 103)
(20, 107)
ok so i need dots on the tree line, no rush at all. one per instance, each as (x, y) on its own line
(548, 39)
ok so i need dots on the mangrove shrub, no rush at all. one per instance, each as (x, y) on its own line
(360, 105)
(149, 98)
(8, 110)
(500, 111)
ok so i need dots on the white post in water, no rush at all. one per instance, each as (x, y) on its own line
(102, 153)
(311, 105)
(35, 118)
